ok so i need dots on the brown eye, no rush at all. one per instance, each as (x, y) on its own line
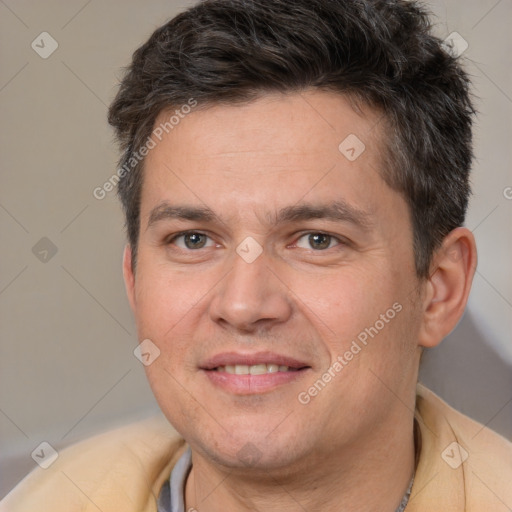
(194, 240)
(317, 241)
(191, 240)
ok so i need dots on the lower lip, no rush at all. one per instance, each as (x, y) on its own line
(252, 384)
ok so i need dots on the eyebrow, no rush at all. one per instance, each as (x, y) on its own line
(338, 211)
(165, 211)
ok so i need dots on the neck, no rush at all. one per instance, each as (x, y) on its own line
(370, 475)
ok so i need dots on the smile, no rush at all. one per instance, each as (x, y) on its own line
(255, 369)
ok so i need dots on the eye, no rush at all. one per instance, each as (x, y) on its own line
(191, 240)
(317, 241)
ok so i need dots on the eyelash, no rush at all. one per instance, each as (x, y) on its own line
(341, 242)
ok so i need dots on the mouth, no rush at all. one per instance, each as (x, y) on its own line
(245, 374)
(255, 369)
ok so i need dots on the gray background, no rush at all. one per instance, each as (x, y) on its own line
(67, 368)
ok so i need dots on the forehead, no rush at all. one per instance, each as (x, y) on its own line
(271, 152)
(309, 122)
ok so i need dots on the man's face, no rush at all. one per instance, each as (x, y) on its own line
(271, 275)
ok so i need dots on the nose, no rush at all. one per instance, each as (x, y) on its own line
(251, 296)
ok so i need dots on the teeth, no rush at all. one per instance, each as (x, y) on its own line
(255, 369)
(258, 369)
(241, 369)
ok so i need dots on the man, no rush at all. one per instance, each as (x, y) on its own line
(295, 181)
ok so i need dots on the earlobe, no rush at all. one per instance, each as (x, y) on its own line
(448, 286)
(129, 278)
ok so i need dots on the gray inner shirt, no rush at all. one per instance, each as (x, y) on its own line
(171, 498)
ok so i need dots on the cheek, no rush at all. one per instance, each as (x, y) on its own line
(164, 300)
(345, 302)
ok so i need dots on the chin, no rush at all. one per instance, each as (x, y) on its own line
(250, 448)
(252, 457)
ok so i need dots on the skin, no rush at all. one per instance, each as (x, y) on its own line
(353, 442)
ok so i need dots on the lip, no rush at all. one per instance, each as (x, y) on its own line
(233, 358)
(252, 384)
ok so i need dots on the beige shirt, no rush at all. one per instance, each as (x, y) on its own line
(463, 466)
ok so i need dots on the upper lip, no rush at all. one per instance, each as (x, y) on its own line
(234, 358)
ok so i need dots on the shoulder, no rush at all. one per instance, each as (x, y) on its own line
(461, 458)
(122, 469)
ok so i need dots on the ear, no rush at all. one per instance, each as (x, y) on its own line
(129, 277)
(448, 286)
